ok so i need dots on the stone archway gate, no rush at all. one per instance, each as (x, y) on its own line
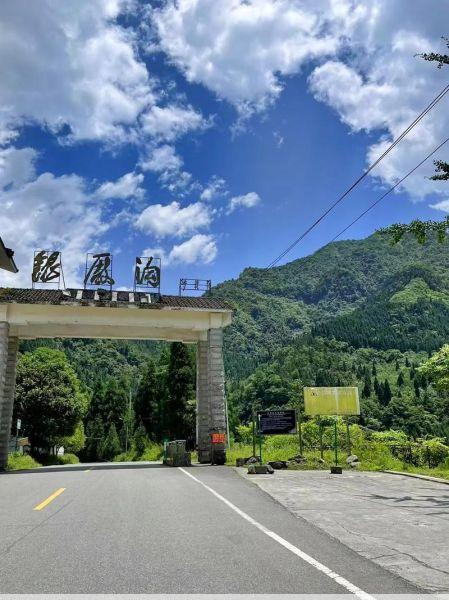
(39, 313)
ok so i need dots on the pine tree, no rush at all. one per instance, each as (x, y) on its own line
(377, 387)
(147, 399)
(386, 393)
(181, 389)
(417, 388)
(400, 381)
(140, 439)
(366, 391)
(93, 449)
(374, 370)
(111, 445)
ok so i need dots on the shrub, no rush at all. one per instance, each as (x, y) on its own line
(432, 452)
(244, 434)
(17, 462)
(68, 459)
(152, 452)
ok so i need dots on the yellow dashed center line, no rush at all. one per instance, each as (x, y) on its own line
(49, 499)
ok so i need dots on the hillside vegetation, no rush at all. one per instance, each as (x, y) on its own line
(362, 313)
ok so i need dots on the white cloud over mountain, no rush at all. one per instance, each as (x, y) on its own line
(200, 248)
(173, 219)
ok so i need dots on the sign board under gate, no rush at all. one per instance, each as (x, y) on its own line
(272, 422)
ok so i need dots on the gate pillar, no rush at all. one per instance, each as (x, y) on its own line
(8, 360)
(211, 416)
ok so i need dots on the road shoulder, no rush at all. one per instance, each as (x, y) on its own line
(402, 524)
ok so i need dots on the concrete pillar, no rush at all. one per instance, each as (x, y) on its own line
(8, 360)
(202, 403)
(216, 392)
(211, 416)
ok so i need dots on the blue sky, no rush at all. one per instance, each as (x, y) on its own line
(210, 132)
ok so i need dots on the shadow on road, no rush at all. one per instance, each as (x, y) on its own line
(86, 467)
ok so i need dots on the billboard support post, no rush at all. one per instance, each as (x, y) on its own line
(298, 418)
(320, 425)
(336, 441)
(254, 432)
(348, 436)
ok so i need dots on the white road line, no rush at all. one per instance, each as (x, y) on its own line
(280, 540)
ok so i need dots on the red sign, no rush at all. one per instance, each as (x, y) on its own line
(218, 438)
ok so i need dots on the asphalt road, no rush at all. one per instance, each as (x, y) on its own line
(135, 528)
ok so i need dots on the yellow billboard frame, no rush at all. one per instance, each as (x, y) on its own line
(331, 401)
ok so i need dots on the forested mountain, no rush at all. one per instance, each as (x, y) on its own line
(366, 292)
(362, 313)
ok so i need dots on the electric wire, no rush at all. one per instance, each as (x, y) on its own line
(371, 206)
(363, 175)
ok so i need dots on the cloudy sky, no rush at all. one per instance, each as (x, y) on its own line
(210, 132)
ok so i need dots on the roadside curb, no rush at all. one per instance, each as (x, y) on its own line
(418, 476)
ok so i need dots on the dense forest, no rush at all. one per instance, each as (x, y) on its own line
(360, 313)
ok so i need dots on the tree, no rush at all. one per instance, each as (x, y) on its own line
(115, 404)
(93, 450)
(111, 445)
(147, 401)
(181, 391)
(400, 380)
(436, 369)
(366, 391)
(49, 398)
(74, 443)
(386, 393)
(140, 439)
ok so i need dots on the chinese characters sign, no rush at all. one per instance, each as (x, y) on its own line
(98, 270)
(47, 267)
(147, 272)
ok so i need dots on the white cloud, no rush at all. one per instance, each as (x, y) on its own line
(383, 86)
(171, 122)
(47, 212)
(199, 249)
(247, 200)
(174, 220)
(162, 159)
(443, 206)
(127, 186)
(168, 164)
(368, 72)
(216, 188)
(240, 50)
(69, 63)
(16, 166)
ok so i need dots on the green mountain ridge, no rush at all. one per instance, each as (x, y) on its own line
(342, 289)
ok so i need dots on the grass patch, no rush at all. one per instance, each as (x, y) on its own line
(19, 462)
(152, 452)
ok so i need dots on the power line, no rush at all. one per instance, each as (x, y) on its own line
(390, 190)
(363, 175)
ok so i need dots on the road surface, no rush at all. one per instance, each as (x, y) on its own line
(137, 528)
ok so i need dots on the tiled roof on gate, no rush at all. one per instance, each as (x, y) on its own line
(107, 298)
